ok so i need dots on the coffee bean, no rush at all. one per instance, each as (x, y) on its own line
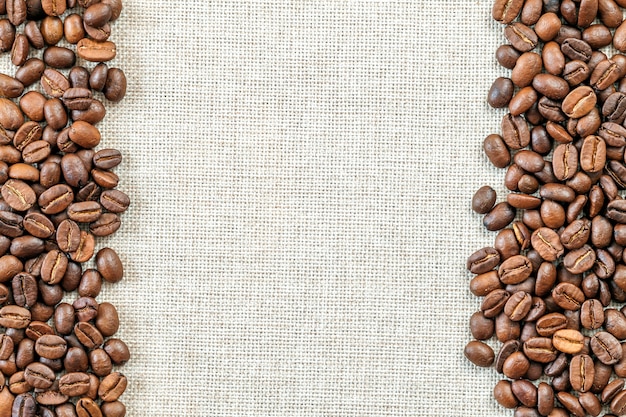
(618, 404)
(73, 28)
(515, 132)
(576, 49)
(540, 349)
(565, 161)
(59, 57)
(118, 351)
(579, 102)
(54, 83)
(496, 151)
(96, 51)
(522, 37)
(515, 366)
(580, 260)
(592, 314)
(38, 225)
(505, 11)
(568, 341)
(24, 404)
(581, 373)
(570, 402)
(606, 348)
(86, 407)
(498, 218)
(611, 390)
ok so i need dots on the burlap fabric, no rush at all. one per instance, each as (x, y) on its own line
(301, 175)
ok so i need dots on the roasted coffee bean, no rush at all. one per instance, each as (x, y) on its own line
(526, 67)
(95, 51)
(547, 243)
(512, 271)
(581, 373)
(568, 341)
(579, 102)
(571, 403)
(521, 37)
(74, 384)
(504, 11)
(115, 87)
(119, 353)
(482, 284)
(498, 218)
(551, 86)
(606, 348)
(86, 407)
(88, 335)
(575, 72)
(565, 161)
(576, 234)
(51, 346)
(515, 132)
(618, 404)
(496, 151)
(540, 349)
(611, 390)
(39, 375)
(516, 365)
(592, 314)
(24, 405)
(59, 57)
(580, 260)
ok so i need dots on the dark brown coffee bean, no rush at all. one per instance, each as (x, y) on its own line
(587, 12)
(53, 267)
(606, 348)
(24, 404)
(550, 324)
(540, 349)
(496, 151)
(51, 346)
(24, 290)
(571, 403)
(551, 86)
(54, 7)
(618, 404)
(73, 28)
(118, 351)
(592, 314)
(527, 66)
(19, 195)
(576, 49)
(498, 218)
(86, 407)
(88, 335)
(547, 243)
(482, 328)
(611, 390)
(576, 234)
(84, 134)
(504, 11)
(483, 284)
(500, 93)
(580, 260)
(579, 102)
(521, 37)
(507, 56)
(85, 249)
(54, 83)
(39, 375)
(581, 372)
(565, 161)
(494, 302)
(516, 365)
(112, 270)
(68, 236)
(114, 385)
(115, 87)
(74, 384)
(512, 271)
(59, 57)
(7, 35)
(575, 72)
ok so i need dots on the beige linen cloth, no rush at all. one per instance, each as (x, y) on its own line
(301, 175)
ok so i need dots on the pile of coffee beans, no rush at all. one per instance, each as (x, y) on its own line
(58, 353)
(554, 282)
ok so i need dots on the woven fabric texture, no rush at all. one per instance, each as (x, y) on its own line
(301, 175)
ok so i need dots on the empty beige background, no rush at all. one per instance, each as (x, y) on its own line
(301, 173)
